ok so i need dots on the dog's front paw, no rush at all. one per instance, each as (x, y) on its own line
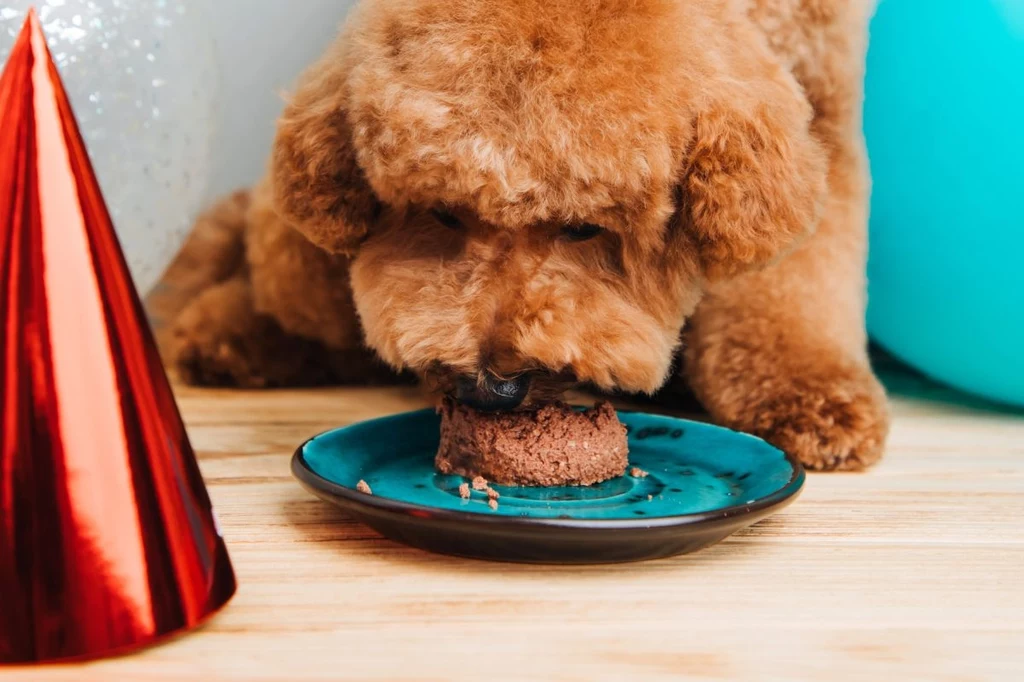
(830, 416)
(205, 357)
(220, 340)
(832, 422)
(214, 341)
(207, 362)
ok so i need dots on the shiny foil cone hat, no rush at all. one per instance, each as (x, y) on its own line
(107, 538)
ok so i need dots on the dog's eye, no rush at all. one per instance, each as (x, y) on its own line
(445, 218)
(581, 233)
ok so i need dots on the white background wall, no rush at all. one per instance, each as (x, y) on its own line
(262, 45)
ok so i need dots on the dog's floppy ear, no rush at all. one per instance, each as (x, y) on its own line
(754, 176)
(319, 187)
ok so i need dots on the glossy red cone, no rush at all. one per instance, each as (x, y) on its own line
(107, 538)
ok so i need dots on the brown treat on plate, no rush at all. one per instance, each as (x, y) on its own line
(637, 472)
(479, 483)
(551, 446)
(492, 503)
(363, 487)
(464, 491)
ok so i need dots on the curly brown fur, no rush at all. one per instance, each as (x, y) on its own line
(716, 142)
(220, 340)
(233, 309)
(214, 252)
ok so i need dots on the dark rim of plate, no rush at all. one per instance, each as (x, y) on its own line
(302, 471)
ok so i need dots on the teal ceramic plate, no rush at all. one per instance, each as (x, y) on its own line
(703, 483)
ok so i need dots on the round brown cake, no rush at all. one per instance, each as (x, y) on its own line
(551, 446)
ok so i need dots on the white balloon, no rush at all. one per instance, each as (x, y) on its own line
(142, 79)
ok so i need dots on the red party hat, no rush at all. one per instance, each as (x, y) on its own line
(107, 538)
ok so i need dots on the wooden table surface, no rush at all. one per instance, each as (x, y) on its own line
(910, 572)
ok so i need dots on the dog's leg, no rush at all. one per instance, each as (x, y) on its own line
(202, 310)
(214, 252)
(220, 340)
(284, 318)
(782, 353)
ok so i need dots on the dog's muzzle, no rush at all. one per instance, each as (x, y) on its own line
(491, 394)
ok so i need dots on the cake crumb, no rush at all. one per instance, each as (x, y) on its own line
(492, 493)
(637, 472)
(650, 497)
(363, 487)
(464, 491)
(492, 503)
(480, 483)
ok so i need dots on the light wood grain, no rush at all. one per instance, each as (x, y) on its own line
(910, 572)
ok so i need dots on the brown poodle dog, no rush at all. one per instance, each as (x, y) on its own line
(506, 197)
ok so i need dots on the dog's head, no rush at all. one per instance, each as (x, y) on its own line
(544, 188)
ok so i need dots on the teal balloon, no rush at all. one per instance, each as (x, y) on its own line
(944, 121)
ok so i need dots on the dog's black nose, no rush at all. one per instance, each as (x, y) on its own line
(491, 394)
